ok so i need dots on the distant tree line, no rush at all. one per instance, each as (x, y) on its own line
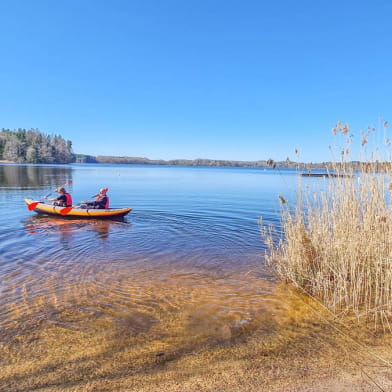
(82, 158)
(33, 146)
(268, 163)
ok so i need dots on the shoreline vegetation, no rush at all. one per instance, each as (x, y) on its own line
(35, 147)
(265, 163)
(336, 242)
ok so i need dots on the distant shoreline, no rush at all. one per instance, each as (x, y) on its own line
(261, 164)
(101, 159)
(268, 163)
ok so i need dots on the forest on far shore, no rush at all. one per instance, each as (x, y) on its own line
(33, 146)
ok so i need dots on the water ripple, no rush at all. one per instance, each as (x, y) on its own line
(191, 248)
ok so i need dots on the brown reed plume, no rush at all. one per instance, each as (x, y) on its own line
(337, 242)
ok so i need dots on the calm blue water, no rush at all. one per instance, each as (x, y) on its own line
(186, 221)
(185, 215)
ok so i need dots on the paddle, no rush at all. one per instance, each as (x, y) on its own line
(66, 210)
(34, 204)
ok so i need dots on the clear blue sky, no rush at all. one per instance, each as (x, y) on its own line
(216, 79)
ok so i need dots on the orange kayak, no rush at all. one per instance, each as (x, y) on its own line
(50, 209)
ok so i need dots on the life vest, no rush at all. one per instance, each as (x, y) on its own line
(68, 203)
(99, 197)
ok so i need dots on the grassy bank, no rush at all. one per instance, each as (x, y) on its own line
(337, 243)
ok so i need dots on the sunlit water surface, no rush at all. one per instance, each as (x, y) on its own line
(190, 250)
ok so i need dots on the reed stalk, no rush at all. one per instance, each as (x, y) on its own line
(337, 239)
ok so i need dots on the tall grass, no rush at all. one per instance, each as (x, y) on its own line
(337, 242)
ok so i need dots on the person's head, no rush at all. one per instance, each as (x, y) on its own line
(103, 191)
(60, 190)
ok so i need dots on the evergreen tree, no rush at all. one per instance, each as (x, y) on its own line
(32, 146)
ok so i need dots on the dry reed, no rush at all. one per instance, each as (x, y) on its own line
(337, 242)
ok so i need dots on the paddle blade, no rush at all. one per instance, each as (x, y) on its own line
(32, 206)
(65, 210)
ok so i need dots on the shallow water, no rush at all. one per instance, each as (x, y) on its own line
(176, 287)
(189, 251)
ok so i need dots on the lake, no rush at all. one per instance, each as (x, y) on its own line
(186, 265)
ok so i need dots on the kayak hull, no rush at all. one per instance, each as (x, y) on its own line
(89, 213)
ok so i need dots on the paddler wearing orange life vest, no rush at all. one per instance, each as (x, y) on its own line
(64, 200)
(101, 201)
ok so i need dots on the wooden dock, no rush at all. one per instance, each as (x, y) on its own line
(326, 175)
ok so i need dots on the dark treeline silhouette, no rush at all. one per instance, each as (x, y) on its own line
(33, 146)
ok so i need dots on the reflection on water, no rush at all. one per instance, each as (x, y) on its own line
(184, 269)
(42, 224)
(31, 176)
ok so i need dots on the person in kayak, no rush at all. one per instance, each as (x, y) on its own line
(101, 201)
(64, 200)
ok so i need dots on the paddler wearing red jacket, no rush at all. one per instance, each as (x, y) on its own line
(64, 200)
(102, 200)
